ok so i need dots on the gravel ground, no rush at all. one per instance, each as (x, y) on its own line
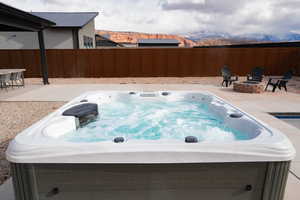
(15, 117)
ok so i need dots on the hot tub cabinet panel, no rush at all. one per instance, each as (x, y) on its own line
(213, 181)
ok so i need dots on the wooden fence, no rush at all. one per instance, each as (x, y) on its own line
(175, 62)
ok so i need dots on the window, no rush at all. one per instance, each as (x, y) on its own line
(88, 42)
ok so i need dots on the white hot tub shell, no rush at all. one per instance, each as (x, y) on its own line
(255, 168)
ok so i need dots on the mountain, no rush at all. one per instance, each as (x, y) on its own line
(133, 37)
(221, 41)
(205, 35)
(200, 38)
(256, 37)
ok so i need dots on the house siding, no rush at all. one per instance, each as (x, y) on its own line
(54, 39)
(19, 40)
(59, 39)
(89, 31)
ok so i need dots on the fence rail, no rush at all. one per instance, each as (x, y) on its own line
(148, 62)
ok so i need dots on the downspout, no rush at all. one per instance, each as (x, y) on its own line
(75, 33)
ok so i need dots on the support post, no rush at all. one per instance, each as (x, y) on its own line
(44, 65)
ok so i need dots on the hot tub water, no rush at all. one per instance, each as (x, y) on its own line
(138, 118)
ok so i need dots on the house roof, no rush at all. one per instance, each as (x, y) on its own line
(103, 38)
(13, 19)
(158, 41)
(68, 19)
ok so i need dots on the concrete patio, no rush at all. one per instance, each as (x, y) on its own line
(259, 105)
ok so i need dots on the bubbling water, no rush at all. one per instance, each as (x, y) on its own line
(154, 119)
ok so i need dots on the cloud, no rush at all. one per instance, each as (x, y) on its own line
(54, 2)
(241, 17)
(204, 6)
(181, 16)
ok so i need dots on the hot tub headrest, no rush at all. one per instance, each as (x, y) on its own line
(82, 110)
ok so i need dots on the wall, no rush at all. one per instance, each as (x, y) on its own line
(58, 38)
(142, 62)
(19, 40)
(54, 39)
(89, 31)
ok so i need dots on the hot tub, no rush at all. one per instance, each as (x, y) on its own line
(149, 145)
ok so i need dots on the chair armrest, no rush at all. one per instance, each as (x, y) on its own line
(275, 78)
(284, 79)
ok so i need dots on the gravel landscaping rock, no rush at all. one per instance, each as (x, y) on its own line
(15, 117)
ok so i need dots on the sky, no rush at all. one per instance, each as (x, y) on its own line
(235, 17)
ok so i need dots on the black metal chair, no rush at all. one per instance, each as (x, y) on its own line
(5, 81)
(228, 78)
(257, 74)
(17, 79)
(280, 82)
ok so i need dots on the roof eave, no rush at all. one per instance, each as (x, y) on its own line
(96, 14)
(8, 10)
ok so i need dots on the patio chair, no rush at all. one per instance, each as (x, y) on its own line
(280, 82)
(17, 79)
(228, 78)
(257, 74)
(5, 81)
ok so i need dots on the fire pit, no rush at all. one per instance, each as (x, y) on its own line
(248, 87)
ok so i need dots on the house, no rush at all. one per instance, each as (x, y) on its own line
(72, 30)
(158, 43)
(129, 44)
(104, 42)
(13, 19)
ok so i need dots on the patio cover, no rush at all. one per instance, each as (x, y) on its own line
(13, 19)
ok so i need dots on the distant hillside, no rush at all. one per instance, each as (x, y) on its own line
(202, 38)
(133, 37)
(227, 38)
(220, 41)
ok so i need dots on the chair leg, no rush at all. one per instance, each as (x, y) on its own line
(284, 86)
(22, 80)
(12, 84)
(17, 83)
(226, 83)
(279, 86)
(5, 86)
(223, 82)
(274, 88)
(270, 80)
(267, 87)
